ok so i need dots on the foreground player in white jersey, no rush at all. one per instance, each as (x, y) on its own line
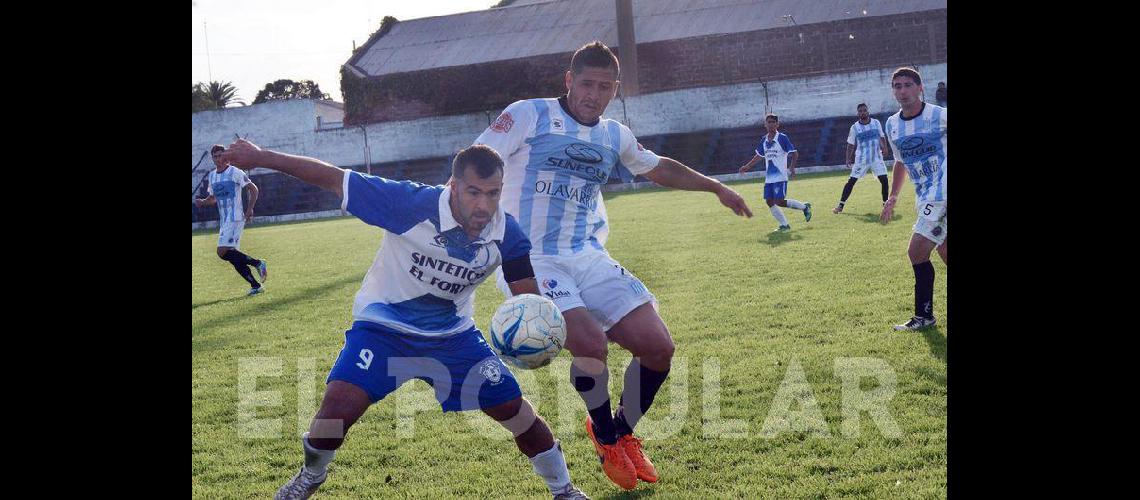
(224, 186)
(917, 134)
(558, 153)
(777, 151)
(866, 148)
(413, 311)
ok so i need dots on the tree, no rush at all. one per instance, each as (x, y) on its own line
(202, 100)
(281, 90)
(219, 94)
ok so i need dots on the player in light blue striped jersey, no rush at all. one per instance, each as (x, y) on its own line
(917, 135)
(558, 154)
(866, 148)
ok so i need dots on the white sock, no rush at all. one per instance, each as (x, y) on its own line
(778, 214)
(794, 204)
(550, 465)
(316, 460)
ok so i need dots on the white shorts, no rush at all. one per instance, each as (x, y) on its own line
(931, 223)
(230, 234)
(590, 279)
(859, 170)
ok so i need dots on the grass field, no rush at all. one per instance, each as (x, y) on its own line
(759, 320)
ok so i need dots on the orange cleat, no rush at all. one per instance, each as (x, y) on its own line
(645, 469)
(615, 463)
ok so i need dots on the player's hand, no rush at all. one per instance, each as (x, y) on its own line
(792, 173)
(241, 154)
(743, 169)
(731, 199)
(249, 215)
(198, 202)
(888, 210)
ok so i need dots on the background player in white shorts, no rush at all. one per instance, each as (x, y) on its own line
(225, 186)
(917, 135)
(866, 148)
(558, 154)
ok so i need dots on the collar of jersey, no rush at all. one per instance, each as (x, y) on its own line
(566, 109)
(494, 231)
(920, 112)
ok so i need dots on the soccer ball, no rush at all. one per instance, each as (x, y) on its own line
(528, 331)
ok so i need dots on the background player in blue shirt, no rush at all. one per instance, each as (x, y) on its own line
(413, 311)
(776, 148)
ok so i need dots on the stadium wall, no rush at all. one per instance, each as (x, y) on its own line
(687, 110)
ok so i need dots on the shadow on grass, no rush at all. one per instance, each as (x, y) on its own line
(219, 301)
(936, 340)
(872, 218)
(776, 238)
(635, 493)
(267, 303)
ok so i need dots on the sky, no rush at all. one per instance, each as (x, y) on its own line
(254, 42)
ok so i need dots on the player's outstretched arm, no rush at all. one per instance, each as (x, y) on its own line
(898, 175)
(207, 201)
(748, 166)
(246, 155)
(674, 174)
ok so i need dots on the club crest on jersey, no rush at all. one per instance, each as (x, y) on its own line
(490, 371)
(556, 125)
(503, 123)
(583, 153)
(440, 240)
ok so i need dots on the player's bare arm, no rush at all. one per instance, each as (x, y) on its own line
(207, 201)
(885, 146)
(898, 175)
(246, 155)
(748, 166)
(528, 285)
(253, 192)
(792, 157)
(850, 156)
(674, 174)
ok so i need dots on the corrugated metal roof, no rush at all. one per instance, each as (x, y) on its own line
(560, 26)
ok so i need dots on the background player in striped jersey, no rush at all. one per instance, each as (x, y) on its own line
(558, 153)
(225, 186)
(917, 135)
(780, 156)
(866, 148)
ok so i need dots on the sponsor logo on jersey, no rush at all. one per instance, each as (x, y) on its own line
(503, 123)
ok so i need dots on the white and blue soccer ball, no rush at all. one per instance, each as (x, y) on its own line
(528, 331)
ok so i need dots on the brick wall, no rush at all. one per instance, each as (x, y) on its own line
(780, 53)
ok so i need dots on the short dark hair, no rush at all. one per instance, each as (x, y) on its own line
(485, 160)
(595, 55)
(771, 115)
(907, 72)
(217, 148)
(861, 105)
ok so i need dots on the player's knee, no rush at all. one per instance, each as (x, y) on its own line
(506, 410)
(592, 349)
(770, 202)
(222, 251)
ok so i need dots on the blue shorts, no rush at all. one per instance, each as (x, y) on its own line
(775, 190)
(464, 371)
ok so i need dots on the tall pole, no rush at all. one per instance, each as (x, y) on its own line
(209, 68)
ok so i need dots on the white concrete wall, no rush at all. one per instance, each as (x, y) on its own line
(739, 105)
(289, 126)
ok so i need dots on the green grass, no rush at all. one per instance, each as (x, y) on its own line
(732, 293)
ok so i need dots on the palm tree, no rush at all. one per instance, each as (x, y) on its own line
(222, 94)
